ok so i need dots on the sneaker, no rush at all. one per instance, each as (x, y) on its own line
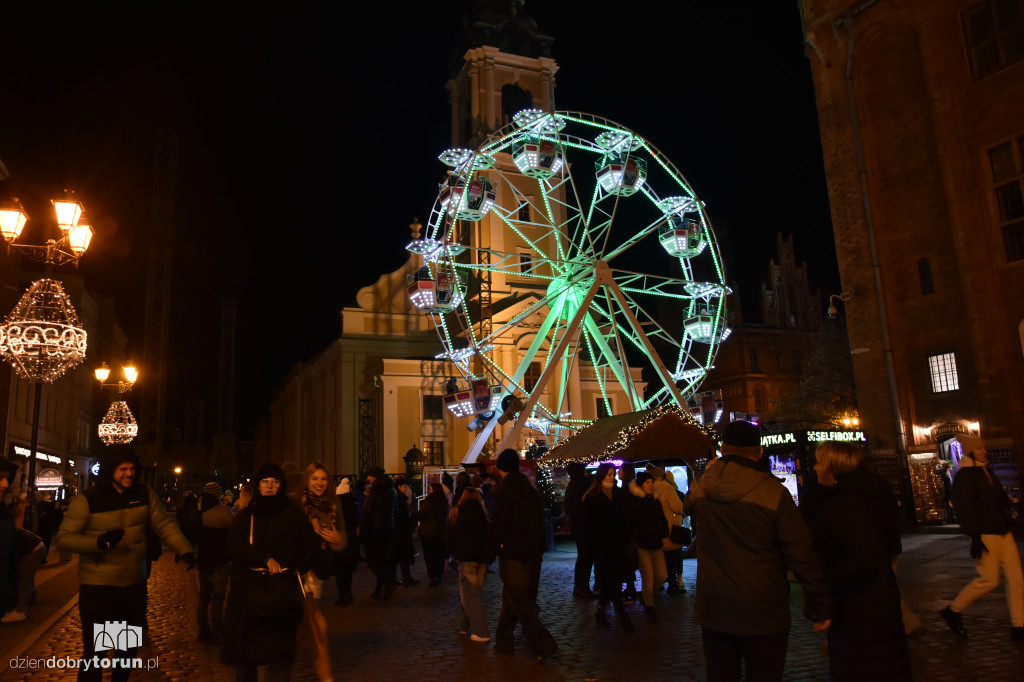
(1017, 634)
(478, 638)
(954, 620)
(14, 616)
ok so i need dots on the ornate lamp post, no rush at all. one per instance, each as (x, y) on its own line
(42, 337)
(118, 426)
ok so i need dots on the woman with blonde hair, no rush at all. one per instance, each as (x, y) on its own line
(315, 495)
(867, 639)
(467, 532)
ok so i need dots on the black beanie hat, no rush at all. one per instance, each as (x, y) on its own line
(114, 456)
(508, 460)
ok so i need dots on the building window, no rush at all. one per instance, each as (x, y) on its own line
(755, 366)
(433, 450)
(531, 377)
(433, 408)
(924, 274)
(602, 407)
(1008, 178)
(994, 36)
(943, 371)
(524, 213)
(525, 261)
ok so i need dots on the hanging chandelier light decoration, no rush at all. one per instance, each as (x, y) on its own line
(41, 338)
(118, 426)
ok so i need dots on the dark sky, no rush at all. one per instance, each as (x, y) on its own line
(308, 140)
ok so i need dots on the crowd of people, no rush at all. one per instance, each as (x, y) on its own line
(262, 559)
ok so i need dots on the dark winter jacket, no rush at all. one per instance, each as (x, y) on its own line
(980, 502)
(280, 530)
(750, 532)
(574, 492)
(607, 532)
(467, 537)
(645, 519)
(517, 526)
(346, 560)
(433, 515)
(212, 538)
(379, 508)
(102, 508)
(8, 560)
(866, 640)
(404, 551)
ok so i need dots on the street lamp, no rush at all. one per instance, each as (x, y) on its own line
(118, 425)
(42, 337)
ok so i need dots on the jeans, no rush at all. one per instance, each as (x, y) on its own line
(213, 586)
(1002, 553)
(101, 604)
(471, 589)
(520, 580)
(652, 571)
(584, 566)
(764, 656)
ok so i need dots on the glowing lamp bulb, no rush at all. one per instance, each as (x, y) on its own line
(102, 372)
(68, 213)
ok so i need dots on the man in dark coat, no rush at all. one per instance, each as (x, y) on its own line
(983, 508)
(579, 482)
(516, 534)
(378, 529)
(750, 533)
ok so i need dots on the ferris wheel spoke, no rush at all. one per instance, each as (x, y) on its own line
(612, 360)
(583, 224)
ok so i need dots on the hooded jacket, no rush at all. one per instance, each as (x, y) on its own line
(750, 533)
(102, 508)
(980, 502)
(645, 519)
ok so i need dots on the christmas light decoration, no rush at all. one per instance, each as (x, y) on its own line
(118, 425)
(41, 337)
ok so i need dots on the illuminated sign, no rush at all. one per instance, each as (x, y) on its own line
(49, 479)
(24, 452)
(95, 469)
(848, 436)
(777, 439)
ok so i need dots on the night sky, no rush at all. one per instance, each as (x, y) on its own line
(307, 141)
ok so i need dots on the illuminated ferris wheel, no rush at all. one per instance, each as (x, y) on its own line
(575, 242)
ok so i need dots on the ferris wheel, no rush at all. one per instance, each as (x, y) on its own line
(575, 243)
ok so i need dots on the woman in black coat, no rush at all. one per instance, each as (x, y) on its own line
(607, 536)
(866, 640)
(271, 539)
(433, 516)
(346, 560)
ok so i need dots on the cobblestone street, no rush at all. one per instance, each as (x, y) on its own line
(413, 636)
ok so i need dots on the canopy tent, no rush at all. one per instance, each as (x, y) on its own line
(660, 433)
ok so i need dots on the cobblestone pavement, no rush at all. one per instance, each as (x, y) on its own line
(413, 636)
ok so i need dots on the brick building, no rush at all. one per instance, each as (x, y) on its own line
(921, 110)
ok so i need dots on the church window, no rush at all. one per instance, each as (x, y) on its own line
(433, 408)
(532, 376)
(433, 450)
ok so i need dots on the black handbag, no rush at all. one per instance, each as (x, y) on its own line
(680, 535)
(274, 599)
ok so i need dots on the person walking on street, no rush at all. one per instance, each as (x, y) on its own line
(983, 508)
(8, 543)
(516, 535)
(433, 516)
(107, 525)
(467, 533)
(579, 483)
(867, 640)
(750, 533)
(378, 529)
(212, 560)
(405, 550)
(647, 526)
(272, 543)
(607, 535)
(345, 561)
